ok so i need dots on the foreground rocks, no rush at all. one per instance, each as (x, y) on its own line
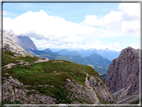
(13, 90)
(122, 76)
(94, 92)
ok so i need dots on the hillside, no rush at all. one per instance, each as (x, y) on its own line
(51, 82)
(99, 63)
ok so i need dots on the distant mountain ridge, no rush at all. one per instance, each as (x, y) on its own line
(106, 53)
(99, 63)
(67, 52)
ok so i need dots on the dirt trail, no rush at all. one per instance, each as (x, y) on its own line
(23, 63)
(42, 60)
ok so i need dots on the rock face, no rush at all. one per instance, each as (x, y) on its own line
(26, 43)
(23, 41)
(13, 90)
(90, 90)
(95, 92)
(10, 45)
(122, 76)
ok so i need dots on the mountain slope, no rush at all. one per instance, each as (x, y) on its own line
(106, 53)
(23, 41)
(26, 43)
(10, 45)
(53, 81)
(122, 76)
(66, 52)
(99, 63)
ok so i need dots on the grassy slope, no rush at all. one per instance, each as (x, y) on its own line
(42, 74)
(7, 58)
(94, 59)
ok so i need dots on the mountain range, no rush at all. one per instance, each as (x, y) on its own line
(33, 80)
(87, 57)
(99, 63)
(27, 79)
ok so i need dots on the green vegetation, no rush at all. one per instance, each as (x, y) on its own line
(100, 99)
(103, 102)
(43, 74)
(8, 57)
(82, 101)
(8, 102)
(100, 64)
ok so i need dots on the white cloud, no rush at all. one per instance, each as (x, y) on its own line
(62, 45)
(126, 20)
(42, 26)
(56, 32)
(131, 11)
(5, 12)
(101, 45)
(134, 46)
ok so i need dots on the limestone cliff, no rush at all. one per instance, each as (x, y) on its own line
(122, 76)
(10, 45)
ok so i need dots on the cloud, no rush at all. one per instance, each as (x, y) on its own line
(131, 11)
(86, 45)
(42, 26)
(56, 32)
(5, 12)
(127, 20)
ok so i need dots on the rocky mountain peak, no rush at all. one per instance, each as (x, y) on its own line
(26, 43)
(129, 52)
(10, 45)
(47, 50)
(122, 76)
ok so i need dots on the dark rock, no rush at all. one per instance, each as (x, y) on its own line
(26, 43)
(6, 47)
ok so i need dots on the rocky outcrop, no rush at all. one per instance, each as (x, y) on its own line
(13, 90)
(72, 89)
(102, 91)
(23, 41)
(94, 92)
(122, 76)
(10, 45)
(26, 43)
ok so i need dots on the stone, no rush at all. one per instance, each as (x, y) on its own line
(10, 45)
(122, 76)
(14, 94)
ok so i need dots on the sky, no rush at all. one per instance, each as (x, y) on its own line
(75, 25)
